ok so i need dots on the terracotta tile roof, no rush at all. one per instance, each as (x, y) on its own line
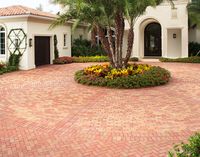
(22, 10)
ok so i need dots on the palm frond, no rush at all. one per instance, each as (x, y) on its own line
(61, 20)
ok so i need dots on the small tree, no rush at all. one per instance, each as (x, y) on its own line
(56, 52)
(108, 15)
(194, 13)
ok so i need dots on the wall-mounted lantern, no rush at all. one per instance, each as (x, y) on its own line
(16, 43)
(174, 36)
(30, 42)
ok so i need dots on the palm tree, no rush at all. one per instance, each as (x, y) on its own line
(108, 15)
(194, 13)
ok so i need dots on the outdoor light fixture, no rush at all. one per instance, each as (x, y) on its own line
(16, 43)
(30, 42)
(174, 36)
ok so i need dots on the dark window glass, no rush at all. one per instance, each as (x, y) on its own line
(2, 41)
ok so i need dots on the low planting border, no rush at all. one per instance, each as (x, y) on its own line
(156, 76)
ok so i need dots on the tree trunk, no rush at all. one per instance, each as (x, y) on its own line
(122, 27)
(119, 34)
(112, 47)
(130, 45)
(105, 44)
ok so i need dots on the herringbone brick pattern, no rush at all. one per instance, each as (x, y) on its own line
(44, 113)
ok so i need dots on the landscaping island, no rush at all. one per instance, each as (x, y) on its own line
(134, 76)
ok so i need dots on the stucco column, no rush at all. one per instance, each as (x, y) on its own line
(184, 43)
(164, 42)
(136, 45)
(30, 52)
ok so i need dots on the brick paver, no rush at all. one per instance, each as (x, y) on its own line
(44, 113)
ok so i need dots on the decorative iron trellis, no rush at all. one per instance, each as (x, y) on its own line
(17, 41)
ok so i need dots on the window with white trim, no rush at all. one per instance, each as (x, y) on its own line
(65, 40)
(2, 40)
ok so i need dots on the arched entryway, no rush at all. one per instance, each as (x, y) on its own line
(152, 40)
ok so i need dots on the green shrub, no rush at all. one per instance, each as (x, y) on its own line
(8, 69)
(2, 65)
(195, 59)
(192, 149)
(194, 48)
(134, 59)
(56, 52)
(82, 47)
(12, 65)
(14, 60)
(11, 68)
(90, 59)
(154, 77)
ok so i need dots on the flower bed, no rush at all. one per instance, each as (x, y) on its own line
(5, 68)
(63, 60)
(90, 59)
(68, 60)
(134, 76)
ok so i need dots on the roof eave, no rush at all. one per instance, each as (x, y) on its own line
(33, 16)
(14, 16)
(38, 17)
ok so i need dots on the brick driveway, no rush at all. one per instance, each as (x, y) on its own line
(44, 113)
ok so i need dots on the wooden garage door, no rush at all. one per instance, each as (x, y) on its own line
(42, 50)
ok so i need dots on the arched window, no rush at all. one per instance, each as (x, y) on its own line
(2, 40)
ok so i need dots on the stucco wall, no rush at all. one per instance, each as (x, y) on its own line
(193, 35)
(41, 28)
(198, 36)
(11, 23)
(174, 44)
(81, 32)
(169, 19)
(36, 27)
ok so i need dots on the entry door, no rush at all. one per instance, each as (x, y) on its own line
(153, 40)
(42, 50)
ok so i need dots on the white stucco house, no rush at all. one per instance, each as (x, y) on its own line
(39, 38)
(161, 32)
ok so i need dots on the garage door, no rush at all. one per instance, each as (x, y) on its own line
(42, 50)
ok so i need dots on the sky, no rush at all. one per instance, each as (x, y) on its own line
(31, 3)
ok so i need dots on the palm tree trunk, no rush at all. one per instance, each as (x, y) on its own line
(112, 47)
(121, 41)
(129, 45)
(105, 44)
(119, 33)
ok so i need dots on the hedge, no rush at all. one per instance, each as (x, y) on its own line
(195, 59)
(90, 59)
